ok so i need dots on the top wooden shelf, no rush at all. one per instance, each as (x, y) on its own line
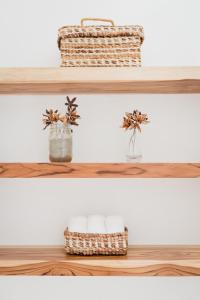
(100, 80)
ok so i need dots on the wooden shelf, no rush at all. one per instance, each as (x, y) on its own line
(99, 80)
(99, 170)
(140, 261)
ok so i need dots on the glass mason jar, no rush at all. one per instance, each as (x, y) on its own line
(134, 149)
(60, 143)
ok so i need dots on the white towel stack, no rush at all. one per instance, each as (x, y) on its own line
(96, 224)
(78, 224)
(114, 224)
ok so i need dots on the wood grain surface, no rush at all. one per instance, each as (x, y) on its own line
(100, 170)
(140, 261)
(99, 80)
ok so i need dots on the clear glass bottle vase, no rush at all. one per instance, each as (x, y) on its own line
(60, 143)
(134, 148)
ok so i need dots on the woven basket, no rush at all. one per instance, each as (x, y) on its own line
(96, 244)
(100, 46)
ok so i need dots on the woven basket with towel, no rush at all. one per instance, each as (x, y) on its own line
(96, 235)
(100, 46)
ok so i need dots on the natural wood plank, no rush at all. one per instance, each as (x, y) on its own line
(100, 170)
(140, 261)
(99, 80)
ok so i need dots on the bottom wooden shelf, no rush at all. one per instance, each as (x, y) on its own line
(140, 261)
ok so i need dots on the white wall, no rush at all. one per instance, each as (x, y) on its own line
(156, 211)
(90, 288)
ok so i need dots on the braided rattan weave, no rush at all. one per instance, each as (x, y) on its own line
(96, 244)
(100, 46)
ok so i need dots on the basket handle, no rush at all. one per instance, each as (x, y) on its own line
(97, 19)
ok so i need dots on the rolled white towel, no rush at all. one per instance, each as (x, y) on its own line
(96, 224)
(114, 224)
(78, 224)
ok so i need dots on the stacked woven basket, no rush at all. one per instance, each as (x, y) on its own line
(100, 46)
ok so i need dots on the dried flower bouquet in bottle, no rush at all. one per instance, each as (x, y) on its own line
(60, 135)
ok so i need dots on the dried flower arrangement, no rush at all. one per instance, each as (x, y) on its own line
(70, 117)
(134, 120)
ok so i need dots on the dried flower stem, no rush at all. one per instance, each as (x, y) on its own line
(133, 121)
(132, 140)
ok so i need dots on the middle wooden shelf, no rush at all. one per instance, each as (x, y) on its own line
(99, 170)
